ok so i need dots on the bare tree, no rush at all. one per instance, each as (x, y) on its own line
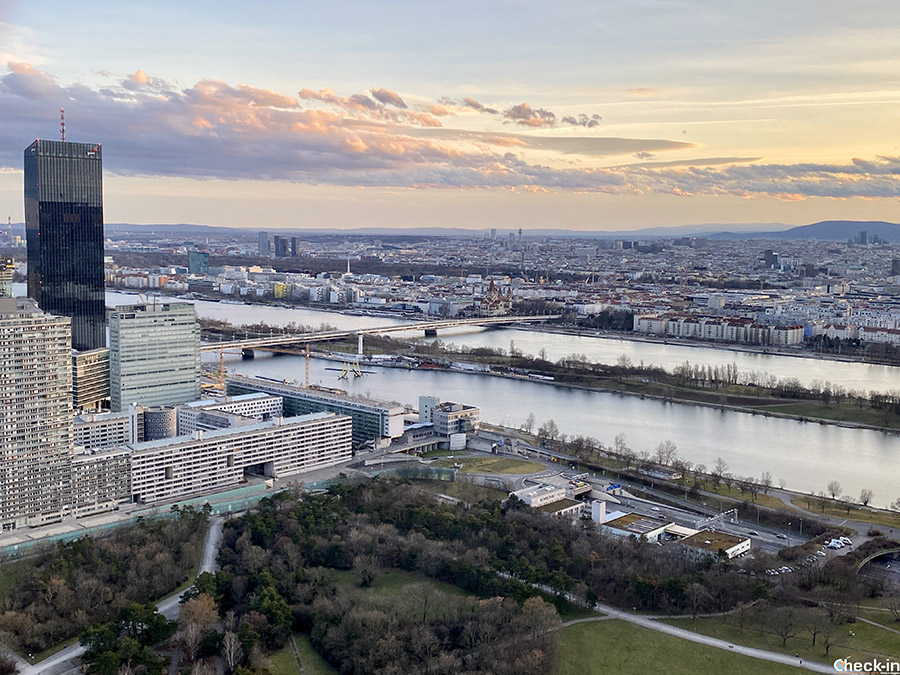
(766, 481)
(528, 424)
(834, 488)
(231, 650)
(892, 604)
(783, 622)
(666, 453)
(865, 496)
(720, 469)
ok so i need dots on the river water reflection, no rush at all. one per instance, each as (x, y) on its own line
(805, 454)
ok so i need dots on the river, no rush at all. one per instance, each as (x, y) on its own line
(806, 455)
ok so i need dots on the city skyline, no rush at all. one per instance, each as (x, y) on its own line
(618, 116)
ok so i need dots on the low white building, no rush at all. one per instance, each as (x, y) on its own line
(718, 544)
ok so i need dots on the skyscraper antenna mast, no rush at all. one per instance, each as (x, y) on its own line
(62, 124)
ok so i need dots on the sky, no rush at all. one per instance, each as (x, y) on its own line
(587, 115)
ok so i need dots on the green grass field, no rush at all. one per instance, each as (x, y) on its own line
(865, 642)
(465, 491)
(837, 510)
(491, 465)
(603, 647)
(284, 662)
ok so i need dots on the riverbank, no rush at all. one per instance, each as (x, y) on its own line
(846, 414)
(769, 350)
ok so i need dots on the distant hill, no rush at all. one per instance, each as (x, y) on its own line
(827, 230)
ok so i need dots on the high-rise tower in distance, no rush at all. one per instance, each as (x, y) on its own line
(64, 227)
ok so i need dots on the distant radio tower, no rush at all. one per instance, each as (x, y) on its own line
(62, 124)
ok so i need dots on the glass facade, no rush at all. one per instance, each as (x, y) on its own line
(64, 228)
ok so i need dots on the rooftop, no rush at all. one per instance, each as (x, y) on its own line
(636, 523)
(712, 541)
(558, 506)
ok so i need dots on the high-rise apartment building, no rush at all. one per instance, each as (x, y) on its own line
(281, 246)
(90, 379)
(64, 228)
(35, 414)
(6, 277)
(154, 354)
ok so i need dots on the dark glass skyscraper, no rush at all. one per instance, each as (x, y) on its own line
(64, 227)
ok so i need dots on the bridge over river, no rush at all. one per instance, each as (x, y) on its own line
(430, 327)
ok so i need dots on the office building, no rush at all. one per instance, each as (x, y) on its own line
(64, 228)
(35, 414)
(154, 354)
(281, 246)
(375, 421)
(448, 418)
(90, 379)
(198, 262)
(295, 247)
(263, 243)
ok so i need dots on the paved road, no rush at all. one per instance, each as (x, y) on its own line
(63, 661)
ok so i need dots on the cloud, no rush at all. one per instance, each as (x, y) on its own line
(526, 115)
(213, 129)
(388, 97)
(469, 102)
(583, 120)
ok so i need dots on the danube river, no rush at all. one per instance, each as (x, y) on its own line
(806, 455)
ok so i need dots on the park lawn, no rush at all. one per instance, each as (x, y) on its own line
(867, 640)
(440, 452)
(313, 663)
(283, 662)
(465, 491)
(733, 493)
(613, 646)
(393, 582)
(837, 510)
(845, 412)
(491, 465)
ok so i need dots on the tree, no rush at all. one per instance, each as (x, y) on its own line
(783, 623)
(766, 481)
(666, 452)
(865, 496)
(895, 505)
(834, 488)
(720, 470)
(528, 424)
(548, 430)
(231, 650)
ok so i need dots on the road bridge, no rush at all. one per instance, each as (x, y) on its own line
(877, 554)
(430, 328)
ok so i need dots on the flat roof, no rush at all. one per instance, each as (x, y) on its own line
(560, 505)
(229, 431)
(635, 522)
(713, 541)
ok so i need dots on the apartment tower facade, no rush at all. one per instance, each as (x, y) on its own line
(35, 414)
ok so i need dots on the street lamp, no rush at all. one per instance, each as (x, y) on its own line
(789, 533)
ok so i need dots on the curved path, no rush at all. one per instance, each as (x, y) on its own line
(647, 622)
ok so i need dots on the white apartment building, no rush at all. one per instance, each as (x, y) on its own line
(109, 430)
(154, 354)
(175, 467)
(35, 414)
(258, 406)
